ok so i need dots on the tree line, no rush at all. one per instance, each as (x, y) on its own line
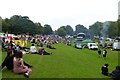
(18, 24)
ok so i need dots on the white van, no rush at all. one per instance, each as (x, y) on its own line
(92, 46)
(116, 46)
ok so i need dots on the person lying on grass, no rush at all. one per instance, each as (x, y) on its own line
(41, 51)
(116, 73)
(19, 66)
(8, 61)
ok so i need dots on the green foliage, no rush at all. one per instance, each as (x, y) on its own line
(113, 29)
(47, 29)
(95, 28)
(0, 24)
(39, 28)
(105, 29)
(61, 31)
(18, 24)
(69, 30)
(81, 29)
(118, 22)
(21, 24)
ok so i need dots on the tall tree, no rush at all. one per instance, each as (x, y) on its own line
(95, 29)
(0, 24)
(61, 31)
(47, 29)
(6, 24)
(113, 30)
(118, 22)
(39, 28)
(21, 25)
(81, 29)
(69, 30)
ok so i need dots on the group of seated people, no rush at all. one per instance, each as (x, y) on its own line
(40, 43)
(115, 74)
(14, 62)
(67, 42)
(40, 51)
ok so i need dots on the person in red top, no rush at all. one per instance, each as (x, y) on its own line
(10, 38)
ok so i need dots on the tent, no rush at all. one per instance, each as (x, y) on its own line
(87, 41)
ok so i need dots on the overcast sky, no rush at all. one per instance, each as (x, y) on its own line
(62, 12)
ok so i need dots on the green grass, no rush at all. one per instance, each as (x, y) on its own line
(66, 62)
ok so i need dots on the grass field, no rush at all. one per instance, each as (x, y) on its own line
(66, 62)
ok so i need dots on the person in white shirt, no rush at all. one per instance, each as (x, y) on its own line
(33, 49)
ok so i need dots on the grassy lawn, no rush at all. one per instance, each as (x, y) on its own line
(66, 62)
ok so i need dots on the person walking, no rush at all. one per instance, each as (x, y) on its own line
(99, 53)
(104, 53)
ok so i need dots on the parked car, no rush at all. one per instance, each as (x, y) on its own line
(78, 46)
(92, 46)
(116, 46)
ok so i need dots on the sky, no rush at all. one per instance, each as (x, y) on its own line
(59, 13)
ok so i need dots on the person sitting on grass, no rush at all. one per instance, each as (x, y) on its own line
(48, 45)
(41, 51)
(8, 61)
(105, 69)
(116, 73)
(19, 66)
(39, 43)
(33, 49)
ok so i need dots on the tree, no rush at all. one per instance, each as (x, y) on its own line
(81, 29)
(69, 30)
(47, 29)
(39, 28)
(61, 31)
(95, 29)
(18, 24)
(118, 22)
(0, 24)
(21, 25)
(113, 30)
(6, 25)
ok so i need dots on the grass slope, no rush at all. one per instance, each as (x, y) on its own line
(66, 62)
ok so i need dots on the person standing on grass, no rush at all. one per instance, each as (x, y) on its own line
(105, 69)
(99, 53)
(104, 53)
(19, 66)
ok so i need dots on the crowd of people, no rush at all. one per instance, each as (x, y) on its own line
(14, 61)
